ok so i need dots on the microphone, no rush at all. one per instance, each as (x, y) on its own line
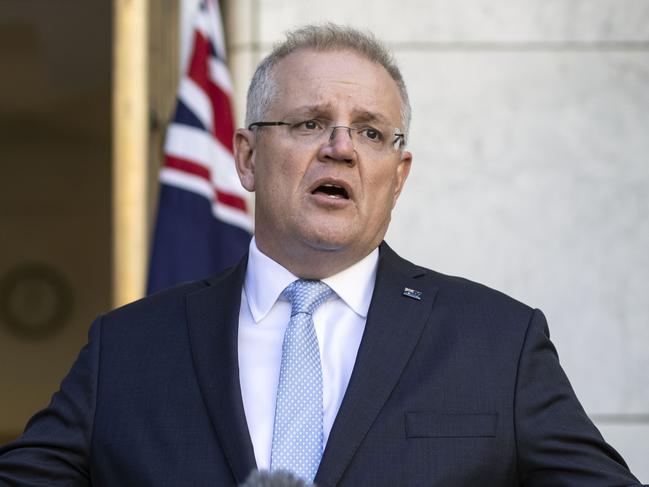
(277, 478)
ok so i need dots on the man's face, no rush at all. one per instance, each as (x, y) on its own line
(334, 196)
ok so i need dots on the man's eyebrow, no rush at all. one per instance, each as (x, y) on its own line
(369, 116)
(358, 115)
(312, 110)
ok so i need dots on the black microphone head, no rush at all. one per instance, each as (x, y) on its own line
(278, 478)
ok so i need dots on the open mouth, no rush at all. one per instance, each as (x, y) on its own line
(332, 190)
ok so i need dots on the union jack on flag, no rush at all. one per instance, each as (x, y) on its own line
(204, 222)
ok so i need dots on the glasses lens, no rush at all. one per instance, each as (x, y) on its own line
(375, 138)
(365, 137)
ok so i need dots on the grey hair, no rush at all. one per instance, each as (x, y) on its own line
(322, 37)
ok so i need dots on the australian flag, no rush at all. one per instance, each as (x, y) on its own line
(204, 221)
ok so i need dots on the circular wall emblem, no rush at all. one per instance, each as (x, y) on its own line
(35, 300)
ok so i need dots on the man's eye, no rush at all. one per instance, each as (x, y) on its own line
(371, 134)
(309, 125)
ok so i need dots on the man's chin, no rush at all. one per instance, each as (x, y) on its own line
(328, 243)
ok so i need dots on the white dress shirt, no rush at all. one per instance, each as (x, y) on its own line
(263, 318)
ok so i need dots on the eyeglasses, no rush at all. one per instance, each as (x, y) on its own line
(364, 137)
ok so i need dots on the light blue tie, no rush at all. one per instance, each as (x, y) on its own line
(297, 436)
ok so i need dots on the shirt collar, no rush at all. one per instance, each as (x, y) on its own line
(266, 279)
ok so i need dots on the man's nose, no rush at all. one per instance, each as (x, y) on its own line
(340, 146)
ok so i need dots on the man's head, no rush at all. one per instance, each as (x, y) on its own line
(325, 37)
(327, 161)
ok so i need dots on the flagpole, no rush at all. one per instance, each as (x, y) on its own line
(130, 155)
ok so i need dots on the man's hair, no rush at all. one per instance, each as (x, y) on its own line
(321, 37)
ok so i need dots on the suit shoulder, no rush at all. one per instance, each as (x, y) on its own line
(168, 305)
(465, 294)
(481, 309)
(476, 292)
(150, 318)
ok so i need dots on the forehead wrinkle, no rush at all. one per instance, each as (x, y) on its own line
(363, 115)
(314, 109)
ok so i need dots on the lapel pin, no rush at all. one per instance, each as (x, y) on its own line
(412, 293)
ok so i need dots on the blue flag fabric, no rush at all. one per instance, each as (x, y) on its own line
(204, 223)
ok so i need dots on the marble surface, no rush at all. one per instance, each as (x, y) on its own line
(630, 440)
(423, 21)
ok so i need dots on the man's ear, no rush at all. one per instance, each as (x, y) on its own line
(244, 157)
(403, 169)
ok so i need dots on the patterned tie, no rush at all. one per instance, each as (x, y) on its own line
(297, 437)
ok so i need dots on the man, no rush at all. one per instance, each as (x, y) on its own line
(390, 374)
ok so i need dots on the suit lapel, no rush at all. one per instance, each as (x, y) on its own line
(394, 324)
(213, 320)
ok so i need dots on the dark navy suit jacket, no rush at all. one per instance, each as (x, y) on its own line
(459, 388)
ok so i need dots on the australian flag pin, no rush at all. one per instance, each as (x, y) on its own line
(412, 293)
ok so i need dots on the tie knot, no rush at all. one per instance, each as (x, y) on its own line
(306, 296)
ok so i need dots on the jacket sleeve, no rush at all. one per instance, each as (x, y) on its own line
(557, 442)
(54, 449)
